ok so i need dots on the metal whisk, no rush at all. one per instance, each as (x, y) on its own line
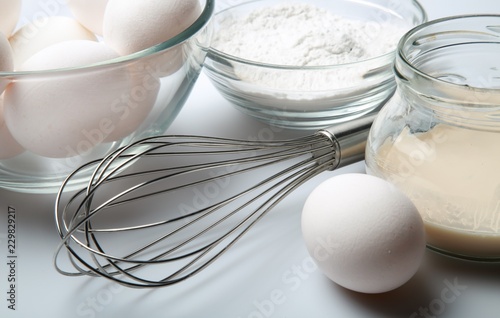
(195, 210)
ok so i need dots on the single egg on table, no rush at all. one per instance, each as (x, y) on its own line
(66, 115)
(90, 13)
(34, 37)
(10, 11)
(363, 233)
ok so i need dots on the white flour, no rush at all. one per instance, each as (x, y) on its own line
(300, 34)
(303, 35)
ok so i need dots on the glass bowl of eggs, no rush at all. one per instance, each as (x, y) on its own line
(80, 79)
(309, 64)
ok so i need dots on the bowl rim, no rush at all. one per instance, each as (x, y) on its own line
(203, 19)
(233, 58)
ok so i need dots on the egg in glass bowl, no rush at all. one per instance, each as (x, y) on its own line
(308, 64)
(79, 79)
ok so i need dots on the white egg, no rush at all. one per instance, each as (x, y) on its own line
(89, 13)
(6, 55)
(68, 114)
(10, 11)
(6, 61)
(134, 106)
(130, 26)
(34, 37)
(363, 233)
(9, 147)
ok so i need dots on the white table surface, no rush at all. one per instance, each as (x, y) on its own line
(270, 259)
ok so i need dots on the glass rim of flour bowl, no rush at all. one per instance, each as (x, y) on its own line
(448, 89)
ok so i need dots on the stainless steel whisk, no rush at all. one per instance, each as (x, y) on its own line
(195, 211)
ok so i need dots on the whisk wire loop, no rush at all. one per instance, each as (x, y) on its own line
(168, 246)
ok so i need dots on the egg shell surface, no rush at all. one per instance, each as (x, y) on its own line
(135, 105)
(6, 61)
(34, 37)
(130, 26)
(9, 147)
(67, 114)
(363, 233)
(10, 11)
(6, 55)
(90, 13)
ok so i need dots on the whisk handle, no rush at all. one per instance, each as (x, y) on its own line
(349, 139)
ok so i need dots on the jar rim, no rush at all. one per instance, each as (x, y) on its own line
(421, 34)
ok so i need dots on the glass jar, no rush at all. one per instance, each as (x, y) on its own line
(438, 137)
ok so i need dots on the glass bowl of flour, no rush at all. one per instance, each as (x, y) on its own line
(308, 64)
